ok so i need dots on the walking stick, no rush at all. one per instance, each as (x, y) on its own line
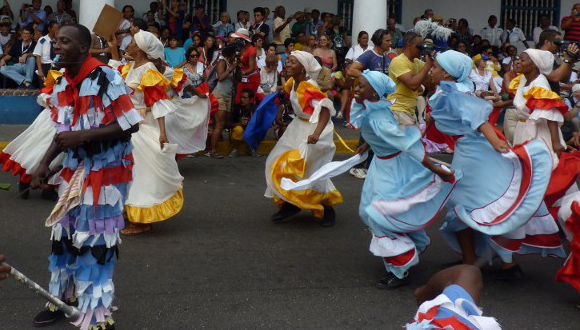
(72, 313)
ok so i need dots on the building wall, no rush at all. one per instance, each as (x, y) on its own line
(290, 6)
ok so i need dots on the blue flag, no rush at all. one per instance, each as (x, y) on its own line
(261, 121)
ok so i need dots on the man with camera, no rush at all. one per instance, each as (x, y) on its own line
(33, 14)
(409, 73)
(551, 41)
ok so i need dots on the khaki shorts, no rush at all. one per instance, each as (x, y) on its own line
(224, 103)
(405, 118)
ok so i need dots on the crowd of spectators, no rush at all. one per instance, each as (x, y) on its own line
(246, 56)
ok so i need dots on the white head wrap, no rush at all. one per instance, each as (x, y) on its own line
(150, 44)
(543, 59)
(309, 63)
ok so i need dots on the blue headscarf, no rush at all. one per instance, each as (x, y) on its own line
(458, 65)
(380, 82)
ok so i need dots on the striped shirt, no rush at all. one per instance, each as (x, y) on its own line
(573, 30)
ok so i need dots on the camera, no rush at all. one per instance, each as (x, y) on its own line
(426, 48)
(563, 46)
(239, 45)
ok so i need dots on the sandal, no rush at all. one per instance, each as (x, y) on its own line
(215, 155)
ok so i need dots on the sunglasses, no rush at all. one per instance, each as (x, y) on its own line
(193, 55)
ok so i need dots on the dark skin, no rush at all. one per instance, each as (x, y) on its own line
(73, 54)
(363, 91)
(356, 68)
(414, 82)
(467, 277)
(562, 73)
(4, 270)
(296, 71)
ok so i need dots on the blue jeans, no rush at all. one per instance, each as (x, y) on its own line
(20, 73)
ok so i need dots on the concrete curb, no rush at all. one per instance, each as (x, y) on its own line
(264, 148)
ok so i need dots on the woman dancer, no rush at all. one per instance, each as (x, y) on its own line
(499, 192)
(156, 192)
(187, 126)
(410, 188)
(23, 154)
(307, 144)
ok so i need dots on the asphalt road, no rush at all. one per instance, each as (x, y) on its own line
(221, 264)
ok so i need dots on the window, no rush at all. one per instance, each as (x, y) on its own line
(526, 13)
(345, 8)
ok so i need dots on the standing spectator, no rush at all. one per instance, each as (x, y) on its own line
(154, 8)
(5, 34)
(208, 52)
(70, 11)
(300, 25)
(513, 34)
(241, 115)
(281, 27)
(362, 46)
(22, 71)
(44, 50)
(260, 27)
(544, 25)
(270, 22)
(174, 55)
(124, 29)
(571, 24)
(224, 26)
(249, 70)
(326, 54)
(225, 67)
(60, 16)
(34, 14)
(243, 22)
(174, 17)
(337, 35)
(315, 24)
(258, 43)
(428, 14)
(199, 22)
(397, 25)
(491, 32)
(375, 59)
(409, 73)
(151, 21)
(48, 10)
(464, 32)
(396, 34)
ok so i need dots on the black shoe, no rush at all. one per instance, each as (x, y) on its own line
(513, 273)
(392, 282)
(329, 217)
(49, 194)
(46, 317)
(24, 189)
(110, 327)
(286, 211)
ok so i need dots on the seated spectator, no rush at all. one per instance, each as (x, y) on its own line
(195, 40)
(396, 34)
(503, 51)
(324, 79)
(241, 115)
(22, 71)
(151, 20)
(493, 65)
(208, 52)
(243, 22)
(269, 77)
(326, 54)
(344, 85)
(481, 78)
(193, 68)
(461, 47)
(301, 41)
(258, 43)
(375, 59)
(5, 10)
(337, 38)
(199, 22)
(544, 25)
(509, 62)
(289, 47)
(44, 50)
(311, 44)
(464, 32)
(165, 34)
(362, 46)
(60, 16)
(224, 26)
(174, 55)
(5, 34)
(124, 28)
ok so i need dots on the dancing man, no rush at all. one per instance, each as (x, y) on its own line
(95, 117)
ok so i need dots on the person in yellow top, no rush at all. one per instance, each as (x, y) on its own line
(409, 73)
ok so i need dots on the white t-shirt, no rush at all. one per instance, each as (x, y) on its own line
(268, 81)
(481, 81)
(514, 36)
(42, 49)
(492, 35)
(4, 39)
(356, 51)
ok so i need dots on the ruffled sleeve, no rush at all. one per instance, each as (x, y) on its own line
(178, 80)
(545, 104)
(458, 113)
(153, 85)
(515, 84)
(406, 139)
(312, 100)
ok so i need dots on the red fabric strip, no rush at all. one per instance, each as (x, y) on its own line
(401, 259)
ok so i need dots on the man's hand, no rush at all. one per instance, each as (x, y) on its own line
(4, 270)
(22, 59)
(41, 74)
(67, 140)
(572, 49)
(289, 19)
(39, 177)
(313, 139)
